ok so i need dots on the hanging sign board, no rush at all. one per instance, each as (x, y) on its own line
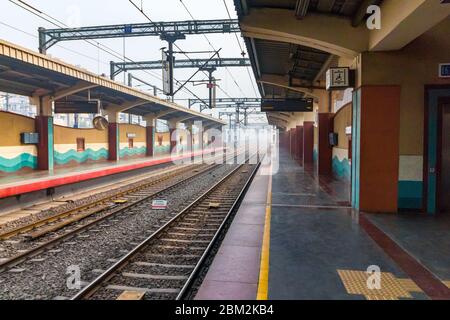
(166, 74)
(444, 70)
(67, 106)
(287, 105)
(339, 78)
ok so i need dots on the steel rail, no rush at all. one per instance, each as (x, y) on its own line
(47, 245)
(91, 288)
(41, 222)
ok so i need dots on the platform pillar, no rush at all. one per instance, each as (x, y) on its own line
(44, 127)
(150, 136)
(190, 137)
(325, 149)
(308, 142)
(375, 139)
(113, 141)
(292, 147)
(299, 134)
(173, 136)
(45, 147)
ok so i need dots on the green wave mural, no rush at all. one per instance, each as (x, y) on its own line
(341, 168)
(72, 155)
(24, 160)
(161, 149)
(127, 152)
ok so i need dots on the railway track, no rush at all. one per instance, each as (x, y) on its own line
(165, 265)
(93, 214)
(116, 200)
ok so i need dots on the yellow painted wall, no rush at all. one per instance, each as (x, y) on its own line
(65, 135)
(11, 126)
(138, 130)
(343, 119)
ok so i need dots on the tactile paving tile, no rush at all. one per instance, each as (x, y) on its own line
(355, 282)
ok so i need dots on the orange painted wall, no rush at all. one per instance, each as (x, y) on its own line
(380, 132)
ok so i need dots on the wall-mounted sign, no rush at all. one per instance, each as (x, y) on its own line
(339, 78)
(131, 135)
(444, 70)
(287, 105)
(348, 131)
(73, 106)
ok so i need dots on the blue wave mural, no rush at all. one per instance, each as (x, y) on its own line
(80, 157)
(24, 160)
(127, 152)
(342, 168)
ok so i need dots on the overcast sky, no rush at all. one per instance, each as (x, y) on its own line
(101, 12)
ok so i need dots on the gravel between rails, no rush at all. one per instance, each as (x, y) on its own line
(94, 250)
(70, 205)
(18, 244)
(152, 268)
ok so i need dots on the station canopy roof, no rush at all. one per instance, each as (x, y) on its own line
(28, 73)
(283, 68)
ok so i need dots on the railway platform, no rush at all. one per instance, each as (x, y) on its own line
(295, 236)
(41, 180)
(30, 188)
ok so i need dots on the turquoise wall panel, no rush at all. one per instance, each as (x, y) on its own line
(342, 169)
(410, 194)
(24, 160)
(80, 157)
(127, 152)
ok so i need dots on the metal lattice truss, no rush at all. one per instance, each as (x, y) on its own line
(118, 67)
(49, 37)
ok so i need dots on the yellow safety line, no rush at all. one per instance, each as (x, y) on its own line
(263, 286)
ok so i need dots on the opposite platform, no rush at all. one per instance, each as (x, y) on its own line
(41, 180)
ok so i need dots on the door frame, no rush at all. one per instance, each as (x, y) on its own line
(434, 96)
(441, 102)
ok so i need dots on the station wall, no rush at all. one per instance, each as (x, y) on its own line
(341, 162)
(413, 67)
(162, 143)
(14, 156)
(72, 146)
(67, 151)
(132, 134)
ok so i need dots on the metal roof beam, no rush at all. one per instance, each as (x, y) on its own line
(301, 8)
(49, 37)
(118, 67)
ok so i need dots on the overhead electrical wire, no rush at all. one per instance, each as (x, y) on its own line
(242, 50)
(141, 10)
(211, 45)
(44, 16)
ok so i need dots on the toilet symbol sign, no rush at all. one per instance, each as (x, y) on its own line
(338, 78)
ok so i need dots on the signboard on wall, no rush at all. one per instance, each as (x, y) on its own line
(444, 70)
(287, 105)
(73, 106)
(339, 78)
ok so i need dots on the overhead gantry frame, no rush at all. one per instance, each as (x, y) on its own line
(49, 37)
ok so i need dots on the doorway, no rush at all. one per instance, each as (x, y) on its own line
(444, 156)
(436, 166)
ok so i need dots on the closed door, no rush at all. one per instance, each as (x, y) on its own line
(444, 190)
